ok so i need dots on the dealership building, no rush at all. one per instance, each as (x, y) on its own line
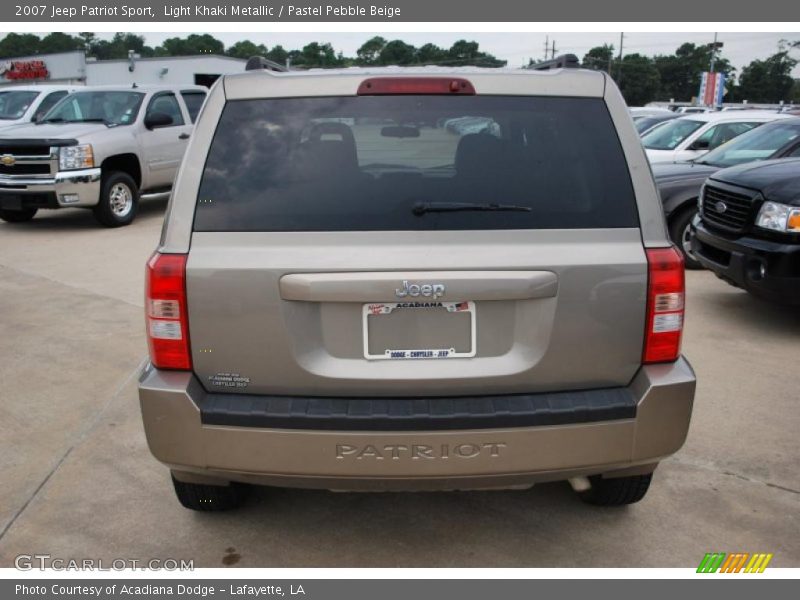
(75, 68)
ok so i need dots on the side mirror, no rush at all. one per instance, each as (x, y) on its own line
(156, 119)
(700, 145)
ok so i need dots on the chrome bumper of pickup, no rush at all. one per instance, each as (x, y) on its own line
(68, 188)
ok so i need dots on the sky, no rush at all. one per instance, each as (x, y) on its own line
(517, 48)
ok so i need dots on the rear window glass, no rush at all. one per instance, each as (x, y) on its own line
(370, 162)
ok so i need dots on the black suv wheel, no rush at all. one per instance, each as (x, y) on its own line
(618, 491)
(203, 497)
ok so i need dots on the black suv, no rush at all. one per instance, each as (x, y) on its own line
(748, 228)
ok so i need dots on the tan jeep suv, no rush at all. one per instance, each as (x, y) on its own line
(405, 279)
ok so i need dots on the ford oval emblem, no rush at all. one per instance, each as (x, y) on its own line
(720, 207)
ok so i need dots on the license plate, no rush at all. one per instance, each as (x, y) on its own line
(419, 330)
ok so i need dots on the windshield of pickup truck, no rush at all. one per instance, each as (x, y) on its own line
(669, 135)
(760, 144)
(111, 108)
(14, 104)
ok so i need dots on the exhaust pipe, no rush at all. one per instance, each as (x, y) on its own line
(580, 484)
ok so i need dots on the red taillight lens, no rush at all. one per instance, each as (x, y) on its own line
(165, 312)
(386, 86)
(665, 301)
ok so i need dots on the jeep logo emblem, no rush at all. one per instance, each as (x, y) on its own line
(418, 452)
(429, 290)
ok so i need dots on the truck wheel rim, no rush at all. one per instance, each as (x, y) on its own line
(686, 241)
(120, 199)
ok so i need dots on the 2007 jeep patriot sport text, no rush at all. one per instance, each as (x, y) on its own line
(414, 279)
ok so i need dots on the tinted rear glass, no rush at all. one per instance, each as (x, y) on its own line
(365, 163)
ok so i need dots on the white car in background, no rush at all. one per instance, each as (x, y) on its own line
(26, 103)
(638, 112)
(692, 136)
(689, 110)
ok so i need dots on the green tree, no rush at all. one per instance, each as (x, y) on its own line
(431, 54)
(681, 72)
(194, 44)
(466, 53)
(369, 52)
(117, 47)
(278, 54)
(768, 80)
(794, 95)
(397, 52)
(315, 55)
(638, 79)
(599, 58)
(19, 44)
(59, 42)
(246, 49)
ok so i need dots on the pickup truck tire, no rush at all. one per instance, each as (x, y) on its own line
(209, 498)
(617, 491)
(119, 200)
(17, 216)
(679, 233)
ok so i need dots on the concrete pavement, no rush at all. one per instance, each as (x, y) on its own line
(77, 480)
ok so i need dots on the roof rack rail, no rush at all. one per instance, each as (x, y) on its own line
(259, 63)
(565, 61)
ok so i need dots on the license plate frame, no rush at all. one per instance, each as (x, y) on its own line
(376, 309)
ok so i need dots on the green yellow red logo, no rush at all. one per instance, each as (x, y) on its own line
(736, 562)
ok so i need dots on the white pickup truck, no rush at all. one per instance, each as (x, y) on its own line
(23, 104)
(101, 147)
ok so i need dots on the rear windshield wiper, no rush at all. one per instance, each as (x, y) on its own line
(420, 208)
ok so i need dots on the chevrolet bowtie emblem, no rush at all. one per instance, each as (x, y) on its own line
(7, 160)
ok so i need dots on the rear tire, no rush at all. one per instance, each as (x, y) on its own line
(119, 200)
(679, 233)
(618, 491)
(209, 498)
(18, 216)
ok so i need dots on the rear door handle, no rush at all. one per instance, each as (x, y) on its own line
(184, 136)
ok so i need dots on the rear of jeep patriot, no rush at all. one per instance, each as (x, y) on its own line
(407, 280)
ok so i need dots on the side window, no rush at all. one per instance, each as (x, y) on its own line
(194, 101)
(794, 153)
(166, 103)
(727, 131)
(48, 103)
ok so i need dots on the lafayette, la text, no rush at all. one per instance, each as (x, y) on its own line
(278, 11)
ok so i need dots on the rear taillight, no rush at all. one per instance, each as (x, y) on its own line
(165, 312)
(388, 86)
(665, 301)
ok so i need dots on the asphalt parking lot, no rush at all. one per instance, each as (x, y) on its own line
(77, 480)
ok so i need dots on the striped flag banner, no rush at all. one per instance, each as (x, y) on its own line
(712, 89)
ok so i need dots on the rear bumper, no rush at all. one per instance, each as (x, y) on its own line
(765, 268)
(64, 189)
(442, 458)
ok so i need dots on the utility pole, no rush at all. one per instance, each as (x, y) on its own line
(553, 53)
(714, 48)
(546, 45)
(619, 60)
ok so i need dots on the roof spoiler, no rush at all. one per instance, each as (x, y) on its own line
(259, 63)
(565, 61)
